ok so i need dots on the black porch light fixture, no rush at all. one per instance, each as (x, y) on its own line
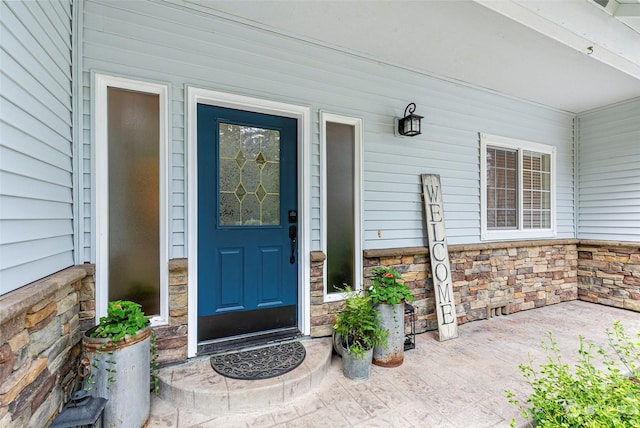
(409, 125)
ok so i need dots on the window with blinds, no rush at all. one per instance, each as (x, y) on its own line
(517, 188)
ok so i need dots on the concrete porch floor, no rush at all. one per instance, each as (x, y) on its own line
(457, 383)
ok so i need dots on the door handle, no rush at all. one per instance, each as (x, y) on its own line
(293, 235)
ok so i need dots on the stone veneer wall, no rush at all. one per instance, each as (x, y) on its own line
(522, 275)
(172, 338)
(41, 327)
(323, 313)
(609, 273)
(41, 323)
(40, 334)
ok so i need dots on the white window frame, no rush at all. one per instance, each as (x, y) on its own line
(488, 140)
(358, 216)
(100, 137)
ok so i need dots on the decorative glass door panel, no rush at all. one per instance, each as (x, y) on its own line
(249, 176)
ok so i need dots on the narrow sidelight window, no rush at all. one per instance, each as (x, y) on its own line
(342, 225)
(130, 128)
(134, 223)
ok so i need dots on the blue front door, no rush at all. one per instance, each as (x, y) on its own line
(247, 223)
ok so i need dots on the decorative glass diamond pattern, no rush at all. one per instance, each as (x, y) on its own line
(240, 192)
(260, 193)
(249, 176)
(240, 159)
(261, 160)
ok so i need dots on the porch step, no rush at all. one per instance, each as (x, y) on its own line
(195, 385)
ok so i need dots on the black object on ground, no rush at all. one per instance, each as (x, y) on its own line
(261, 363)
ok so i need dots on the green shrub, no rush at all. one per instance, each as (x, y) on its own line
(586, 396)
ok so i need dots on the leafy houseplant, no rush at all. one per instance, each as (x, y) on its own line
(357, 329)
(388, 288)
(123, 318)
(119, 351)
(586, 396)
(357, 324)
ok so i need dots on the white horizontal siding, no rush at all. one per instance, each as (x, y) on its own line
(609, 173)
(179, 43)
(38, 268)
(36, 224)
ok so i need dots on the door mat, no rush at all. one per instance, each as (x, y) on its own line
(263, 363)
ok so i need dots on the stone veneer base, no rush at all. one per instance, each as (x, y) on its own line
(41, 323)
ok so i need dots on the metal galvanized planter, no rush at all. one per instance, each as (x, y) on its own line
(128, 365)
(356, 369)
(391, 318)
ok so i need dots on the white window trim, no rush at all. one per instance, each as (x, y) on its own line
(197, 96)
(358, 215)
(519, 145)
(101, 83)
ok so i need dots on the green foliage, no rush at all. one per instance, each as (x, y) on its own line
(123, 317)
(357, 324)
(110, 368)
(388, 288)
(587, 396)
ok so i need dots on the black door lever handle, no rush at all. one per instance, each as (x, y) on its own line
(293, 234)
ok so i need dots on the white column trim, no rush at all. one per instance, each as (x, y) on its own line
(77, 129)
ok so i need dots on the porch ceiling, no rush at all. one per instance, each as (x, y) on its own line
(573, 55)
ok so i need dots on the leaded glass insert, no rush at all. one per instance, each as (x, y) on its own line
(249, 176)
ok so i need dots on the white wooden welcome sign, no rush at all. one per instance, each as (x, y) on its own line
(439, 254)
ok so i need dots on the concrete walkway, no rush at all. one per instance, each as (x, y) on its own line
(457, 383)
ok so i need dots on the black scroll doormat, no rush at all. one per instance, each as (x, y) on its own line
(263, 363)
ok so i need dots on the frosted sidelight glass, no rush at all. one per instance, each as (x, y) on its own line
(340, 150)
(134, 232)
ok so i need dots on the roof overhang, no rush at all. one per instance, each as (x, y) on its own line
(573, 55)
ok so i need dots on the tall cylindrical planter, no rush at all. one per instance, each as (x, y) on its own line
(356, 369)
(391, 318)
(121, 374)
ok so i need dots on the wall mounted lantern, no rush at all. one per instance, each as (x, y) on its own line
(82, 411)
(409, 125)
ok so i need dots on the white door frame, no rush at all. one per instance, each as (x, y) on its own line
(197, 96)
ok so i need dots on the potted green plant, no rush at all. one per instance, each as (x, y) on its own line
(389, 293)
(118, 349)
(359, 332)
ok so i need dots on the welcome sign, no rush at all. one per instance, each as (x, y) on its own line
(439, 254)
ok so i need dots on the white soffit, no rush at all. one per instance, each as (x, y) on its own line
(572, 55)
(627, 11)
(583, 26)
